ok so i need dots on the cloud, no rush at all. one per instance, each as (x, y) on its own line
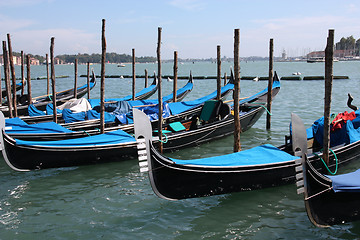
(352, 8)
(9, 24)
(298, 32)
(69, 41)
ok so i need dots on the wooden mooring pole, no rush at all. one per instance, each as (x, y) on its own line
(76, 78)
(218, 79)
(28, 78)
(329, 57)
(237, 145)
(133, 74)
(13, 76)
(88, 80)
(175, 75)
(102, 87)
(53, 83)
(22, 73)
(146, 78)
(47, 75)
(159, 90)
(270, 83)
(7, 79)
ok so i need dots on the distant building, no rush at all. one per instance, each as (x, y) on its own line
(58, 61)
(34, 61)
(337, 54)
(283, 55)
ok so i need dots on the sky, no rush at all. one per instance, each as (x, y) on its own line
(194, 28)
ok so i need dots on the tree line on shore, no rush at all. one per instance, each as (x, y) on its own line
(349, 43)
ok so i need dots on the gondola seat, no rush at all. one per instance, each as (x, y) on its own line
(210, 111)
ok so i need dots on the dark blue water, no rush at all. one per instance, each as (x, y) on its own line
(115, 201)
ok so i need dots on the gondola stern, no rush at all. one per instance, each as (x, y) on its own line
(143, 136)
(93, 78)
(303, 166)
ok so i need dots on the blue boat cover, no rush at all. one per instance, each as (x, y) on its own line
(266, 154)
(349, 182)
(18, 126)
(179, 107)
(151, 111)
(276, 84)
(119, 107)
(96, 102)
(92, 114)
(33, 111)
(115, 137)
(50, 109)
(92, 84)
(349, 133)
(70, 117)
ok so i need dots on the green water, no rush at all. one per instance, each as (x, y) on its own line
(115, 201)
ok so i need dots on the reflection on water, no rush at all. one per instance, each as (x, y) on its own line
(114, 200)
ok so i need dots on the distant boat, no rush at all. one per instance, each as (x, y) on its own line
(169, 79)
(121, 65)
(319, 59)
(256, 79)
(296, 73)
(316, 59)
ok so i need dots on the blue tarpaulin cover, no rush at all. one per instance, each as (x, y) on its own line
(135, 103)
(70, 117)
(349, 133)
(96, 102)
(151, 111)
(109, 138)
(92, 114)
(33, 111)
(18, 126)
(50, 109)
(276, 84)
(349, 182)
(265, 154)
(179, 107)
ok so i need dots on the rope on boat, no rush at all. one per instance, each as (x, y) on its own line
(316, 194)
(166, 139)
(336, 162)
(261, 104)
(86, 133)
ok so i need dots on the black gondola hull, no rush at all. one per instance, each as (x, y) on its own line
(323, 206)
(33, 157)
(173, 182)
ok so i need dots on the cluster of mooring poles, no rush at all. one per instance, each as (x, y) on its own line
(10, 86)
(12, 103)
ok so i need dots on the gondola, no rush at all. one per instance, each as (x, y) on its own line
(175, 179)
(37, 116)
(256, 168)
(18, 87)
(141, 95)
(50, 131)
(25, 155)
(41, 102)
(329, 199)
